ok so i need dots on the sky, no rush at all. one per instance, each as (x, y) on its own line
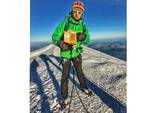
(104, 18)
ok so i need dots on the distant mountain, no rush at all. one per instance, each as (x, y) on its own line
(38, 45)
(116, 48)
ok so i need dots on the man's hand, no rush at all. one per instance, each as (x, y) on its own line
(81, 36)
(65, 46)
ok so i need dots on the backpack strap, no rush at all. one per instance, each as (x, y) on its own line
(66, 25)
(83, 27)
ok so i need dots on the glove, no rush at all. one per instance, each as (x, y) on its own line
(80, 36)
(65, 46)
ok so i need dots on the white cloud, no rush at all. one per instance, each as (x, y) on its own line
(40, 38)
(93, 35)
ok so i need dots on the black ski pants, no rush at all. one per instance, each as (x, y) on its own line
(66, 64)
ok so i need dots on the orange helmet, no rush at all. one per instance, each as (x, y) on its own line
(78, 4)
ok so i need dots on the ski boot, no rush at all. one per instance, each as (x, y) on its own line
(64, 103)
(87, 92)
(67, 101)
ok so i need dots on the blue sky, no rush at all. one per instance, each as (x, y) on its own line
(104, 18)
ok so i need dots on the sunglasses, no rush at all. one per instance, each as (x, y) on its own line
(77, 11)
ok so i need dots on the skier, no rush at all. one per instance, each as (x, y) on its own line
(69, 35)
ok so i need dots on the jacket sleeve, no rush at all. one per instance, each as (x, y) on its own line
(87, 39)
(58, 33)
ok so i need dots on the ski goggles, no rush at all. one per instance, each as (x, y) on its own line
(77, 11)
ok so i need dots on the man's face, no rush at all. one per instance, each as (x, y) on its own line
(77, 13)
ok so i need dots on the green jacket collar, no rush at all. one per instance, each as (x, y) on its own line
(72, 20)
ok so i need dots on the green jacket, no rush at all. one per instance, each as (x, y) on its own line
(77, 26)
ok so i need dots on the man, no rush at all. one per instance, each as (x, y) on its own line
(71, 51)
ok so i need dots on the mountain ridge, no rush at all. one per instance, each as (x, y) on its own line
(106, 77)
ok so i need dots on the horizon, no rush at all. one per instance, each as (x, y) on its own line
(92, 40)
(96, 39)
